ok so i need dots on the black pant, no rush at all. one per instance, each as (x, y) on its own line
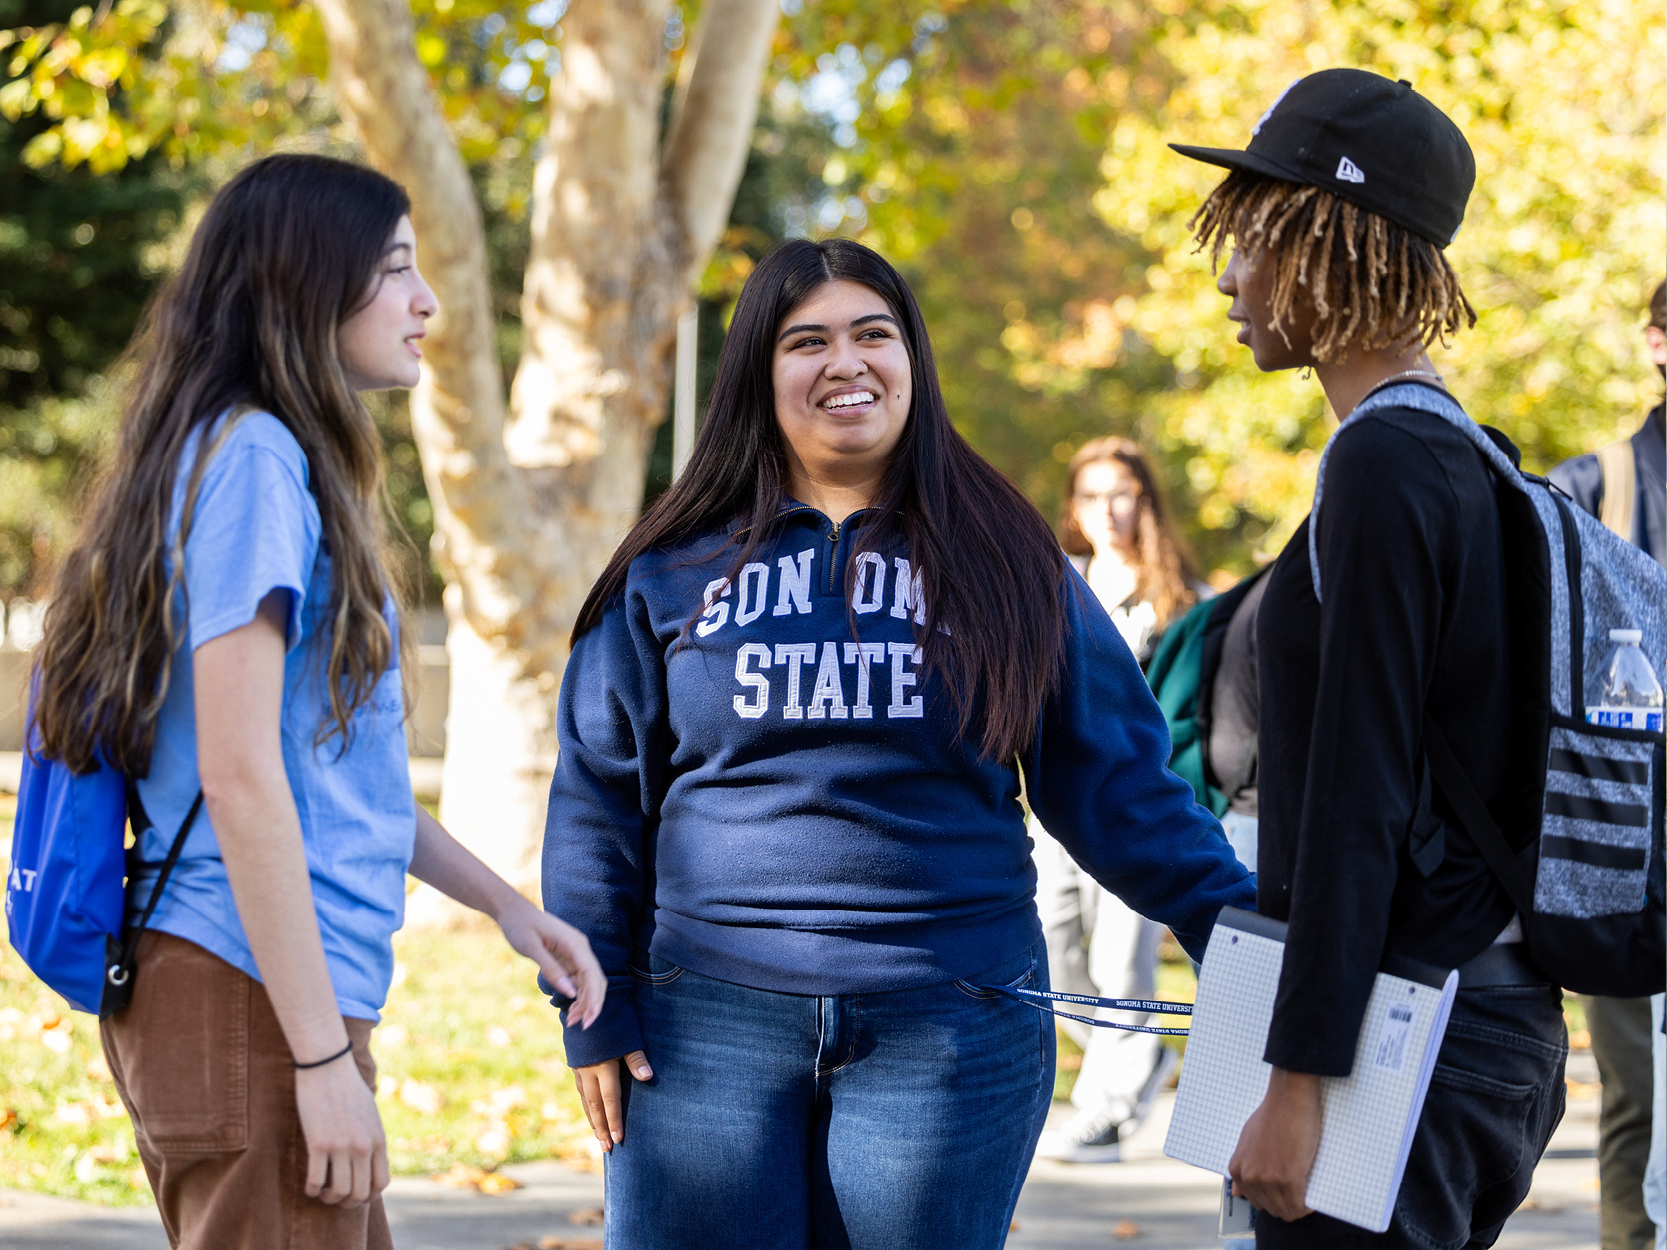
(1495, 1098)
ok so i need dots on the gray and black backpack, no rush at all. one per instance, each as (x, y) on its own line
(1579, 849)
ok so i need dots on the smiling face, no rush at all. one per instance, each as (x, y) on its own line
(379, 343)
(1250, 286)
(843, 385)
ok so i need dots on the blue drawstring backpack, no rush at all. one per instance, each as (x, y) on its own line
(66, 893)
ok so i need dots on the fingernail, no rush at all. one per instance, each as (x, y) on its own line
(644, 1073)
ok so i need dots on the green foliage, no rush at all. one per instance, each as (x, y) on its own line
(80, 253)
(1563, 105)
(1019, 174)
(1011, 159)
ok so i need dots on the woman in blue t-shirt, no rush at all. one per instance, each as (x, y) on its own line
(225, 625)
(787, 810)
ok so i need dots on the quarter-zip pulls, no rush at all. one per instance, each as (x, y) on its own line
(834, 528)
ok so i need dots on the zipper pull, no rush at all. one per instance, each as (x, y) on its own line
(833, 534)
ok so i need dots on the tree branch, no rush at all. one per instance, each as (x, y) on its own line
(712, 121)
(457, 411)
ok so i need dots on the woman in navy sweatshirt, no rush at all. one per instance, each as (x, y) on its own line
(802, 703)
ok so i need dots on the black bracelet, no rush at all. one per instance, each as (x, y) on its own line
(301, 1067)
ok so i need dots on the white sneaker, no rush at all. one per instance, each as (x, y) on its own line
(1087, 1137)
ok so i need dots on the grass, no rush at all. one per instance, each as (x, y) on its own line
(471, 1071)
(470, 1058)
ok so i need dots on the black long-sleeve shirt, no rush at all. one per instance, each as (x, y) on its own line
(1412, 572)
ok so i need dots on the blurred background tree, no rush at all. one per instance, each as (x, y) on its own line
(1010, 157)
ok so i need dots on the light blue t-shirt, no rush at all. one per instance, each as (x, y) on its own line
(256, 529)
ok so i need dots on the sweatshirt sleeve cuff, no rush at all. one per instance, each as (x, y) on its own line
(617, 1032)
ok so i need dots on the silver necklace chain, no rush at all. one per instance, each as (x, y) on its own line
(1414, 373)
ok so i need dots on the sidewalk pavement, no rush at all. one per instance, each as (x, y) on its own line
(1146, 1202)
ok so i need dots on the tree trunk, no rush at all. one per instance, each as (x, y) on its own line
(527, 510)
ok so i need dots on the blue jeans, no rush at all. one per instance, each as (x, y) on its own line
(868, 1121)
(1496, 1095)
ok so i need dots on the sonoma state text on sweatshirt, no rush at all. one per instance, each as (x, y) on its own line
(778, 795)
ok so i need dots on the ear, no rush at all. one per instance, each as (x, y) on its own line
(1656, 337)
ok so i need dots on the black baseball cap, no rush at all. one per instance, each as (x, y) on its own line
(1376, 143)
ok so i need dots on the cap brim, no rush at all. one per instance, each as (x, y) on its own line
(1233, 158)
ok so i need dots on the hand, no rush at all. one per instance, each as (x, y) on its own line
(562, 954)
(347, 1156)
(1277, 1147)
(599, 1092)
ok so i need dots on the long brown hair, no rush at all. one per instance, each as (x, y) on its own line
(287, 250)
(992, 574)
(1163, 566)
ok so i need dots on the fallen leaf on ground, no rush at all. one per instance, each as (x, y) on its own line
(1126, 1230)
(586, 1215)
(421, 1098)
(463, 1176)
(1013, 1227)
(56, 1035)
(570, 1243)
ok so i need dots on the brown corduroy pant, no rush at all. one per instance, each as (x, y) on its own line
(204, 1071)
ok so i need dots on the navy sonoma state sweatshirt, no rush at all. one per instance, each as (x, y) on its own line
(774, 799)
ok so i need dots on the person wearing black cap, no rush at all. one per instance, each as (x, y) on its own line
(1338, 211)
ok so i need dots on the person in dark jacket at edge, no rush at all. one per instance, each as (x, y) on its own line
(793, 728)
(1636, 509)
(1338, 211)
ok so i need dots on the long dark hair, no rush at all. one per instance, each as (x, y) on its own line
(288, 249)
(992, 573)
(1162, 564)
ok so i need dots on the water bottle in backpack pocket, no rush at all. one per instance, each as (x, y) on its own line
(1625, 688)
(1577, 843)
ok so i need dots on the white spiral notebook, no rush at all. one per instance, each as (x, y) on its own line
(1370, 1115)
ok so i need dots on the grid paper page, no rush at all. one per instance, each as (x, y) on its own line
(1224, 1077)
(1369, 1116)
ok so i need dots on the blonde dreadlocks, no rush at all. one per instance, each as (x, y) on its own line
(1372, 283)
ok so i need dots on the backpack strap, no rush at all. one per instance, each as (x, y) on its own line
(118, 976)
(1620, 484)
(1422, 398)
(1513, 869)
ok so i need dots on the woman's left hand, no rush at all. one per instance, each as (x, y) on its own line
(1277, 1147)
(562, 954)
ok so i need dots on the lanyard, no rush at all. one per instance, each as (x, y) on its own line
(1039, 999)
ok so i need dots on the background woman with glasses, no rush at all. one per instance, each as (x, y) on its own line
(1117, 532)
